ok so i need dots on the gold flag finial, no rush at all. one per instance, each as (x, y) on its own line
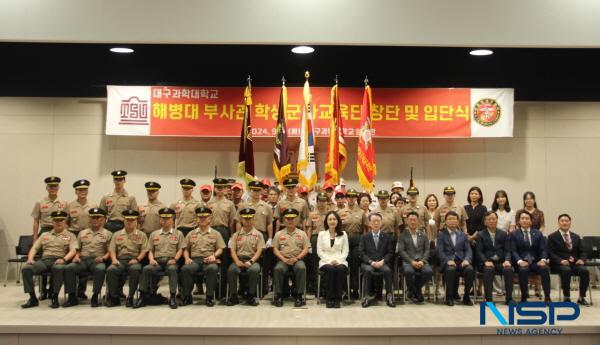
(307, 74)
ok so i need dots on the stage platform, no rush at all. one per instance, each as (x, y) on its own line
(266, 324)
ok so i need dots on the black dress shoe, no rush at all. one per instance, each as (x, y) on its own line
(31, 302)
(279, 301)
(82, 296)
(299, 301)
(233, 301)
(253, 301)
(389, 300)
(112, 301)
(329, 304)
(94, 302)
(547, 300)
(54, 304)
(567, 299)
(523, 299)
(583, 302)
(449, 302)
(420, 298)
(336, 303)
(129, 302)
(365, 303)
(185, 300)
(467, 301)
(141, 302)
(210, 302)
(457, 297)
(71, 301)
(44, 295)
(173, 302)
(122, 295)
(354, 294)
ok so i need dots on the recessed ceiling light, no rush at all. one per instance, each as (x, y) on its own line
(121, 50)
(481, 52)
(303, 50)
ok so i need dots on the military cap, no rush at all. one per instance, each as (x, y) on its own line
(59, 215)
(97, 212)
(255, 185)
(203, 211)
(152, 185)
(230, 181)
(247, 213)
(290, 213)
(352, 193)
(166, 212)
(412, 191)
(220, 181)
(119, 174)
(340, 194)
(52, 180)
(290, 182)
(187, 183)
(382, 194)
(322, 196)
(449, 190)
(81, 184)
(130, 214)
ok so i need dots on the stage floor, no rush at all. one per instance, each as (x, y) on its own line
(428, 321)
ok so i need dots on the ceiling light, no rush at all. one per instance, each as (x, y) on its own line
(481, 52)
(303, 50)
(121, 50)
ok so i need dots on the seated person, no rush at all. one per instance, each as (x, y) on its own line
(413, 247)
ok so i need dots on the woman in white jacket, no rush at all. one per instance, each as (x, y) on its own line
(332, 249)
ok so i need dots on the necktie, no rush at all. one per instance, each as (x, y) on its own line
(493, 237)
(528, 237)
(568, 241)
(376, 239)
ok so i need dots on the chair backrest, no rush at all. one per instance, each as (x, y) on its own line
(25, 244)
(591, 247)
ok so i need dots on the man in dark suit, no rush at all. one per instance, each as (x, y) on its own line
(376, 251)
(493, 250)
(413, 246)
(529, 252)
(568, 258)
(455, 256)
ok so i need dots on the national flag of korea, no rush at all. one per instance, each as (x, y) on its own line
(365, 159)
(336, 155)
(307, 168)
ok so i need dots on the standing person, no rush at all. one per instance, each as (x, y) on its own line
(456, 259)
(117, 201)
(205, 195)
(340, 201)
(413, 206)
(78, 209)
(293, 201)
(237, 193)
(185, 216)
(449, 205)
(58, 246)
(506, 216)
(568, 258)
(537, 215)
(42, 220)
(329, 190)
(364, 202)
(494, 251)
(128, 247)
(316, 224)
(355, 221)
(149, 217)
(530, 255)
(391, 220)
(475, 213)
(413, 247)
(224, 219)
(332, 250)
(431, 205)
(92, 254)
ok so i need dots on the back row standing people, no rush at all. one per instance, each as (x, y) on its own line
(117, 201)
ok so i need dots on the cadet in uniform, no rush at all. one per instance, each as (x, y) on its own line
(224, 218)
(316, 225)
(149, 218)
(340, 201)
(355, 224)
(128, 247)
(42, 209)
(290, 246)
(205, 194)
(185, 219)
(246, 248)
(449, 193)
(165, 247)
(92, 254)
(329, 189)
(58, 247)
(78, 209)
(42, 221)
(413, 206)
(202, 248)
(117, 201)
(292, 201)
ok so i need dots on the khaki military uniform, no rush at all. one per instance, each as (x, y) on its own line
(224, 217)
(298, 204)
(201, 244)
(79, 218)
(53, 246)
(114, 204)
(263, 217)
(391, 220)
(290, 245)
(149, 216)
(127, 246)
(459, 209)
(185, 211)
(406, 209)
(92, 244)
(245, 244)
(42, 209)
(164, 246)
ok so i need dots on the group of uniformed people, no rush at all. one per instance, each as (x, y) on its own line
(224, 235)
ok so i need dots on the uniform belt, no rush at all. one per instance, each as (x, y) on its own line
(164, 258)
(126, 257)
(51, 257)
(184, 228)
(221, 227)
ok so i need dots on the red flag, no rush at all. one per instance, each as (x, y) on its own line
(336, 155)
(365, 159)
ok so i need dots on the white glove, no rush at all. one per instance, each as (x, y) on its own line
(269, 243)
(431, 222)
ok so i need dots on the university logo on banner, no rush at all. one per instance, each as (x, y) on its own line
(134, 108)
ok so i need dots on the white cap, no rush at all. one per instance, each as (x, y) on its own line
(342, 182)
(397, 184)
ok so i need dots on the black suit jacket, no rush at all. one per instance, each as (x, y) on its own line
(521, 250)
(486, 250)
(384, 250)
(557, 248)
